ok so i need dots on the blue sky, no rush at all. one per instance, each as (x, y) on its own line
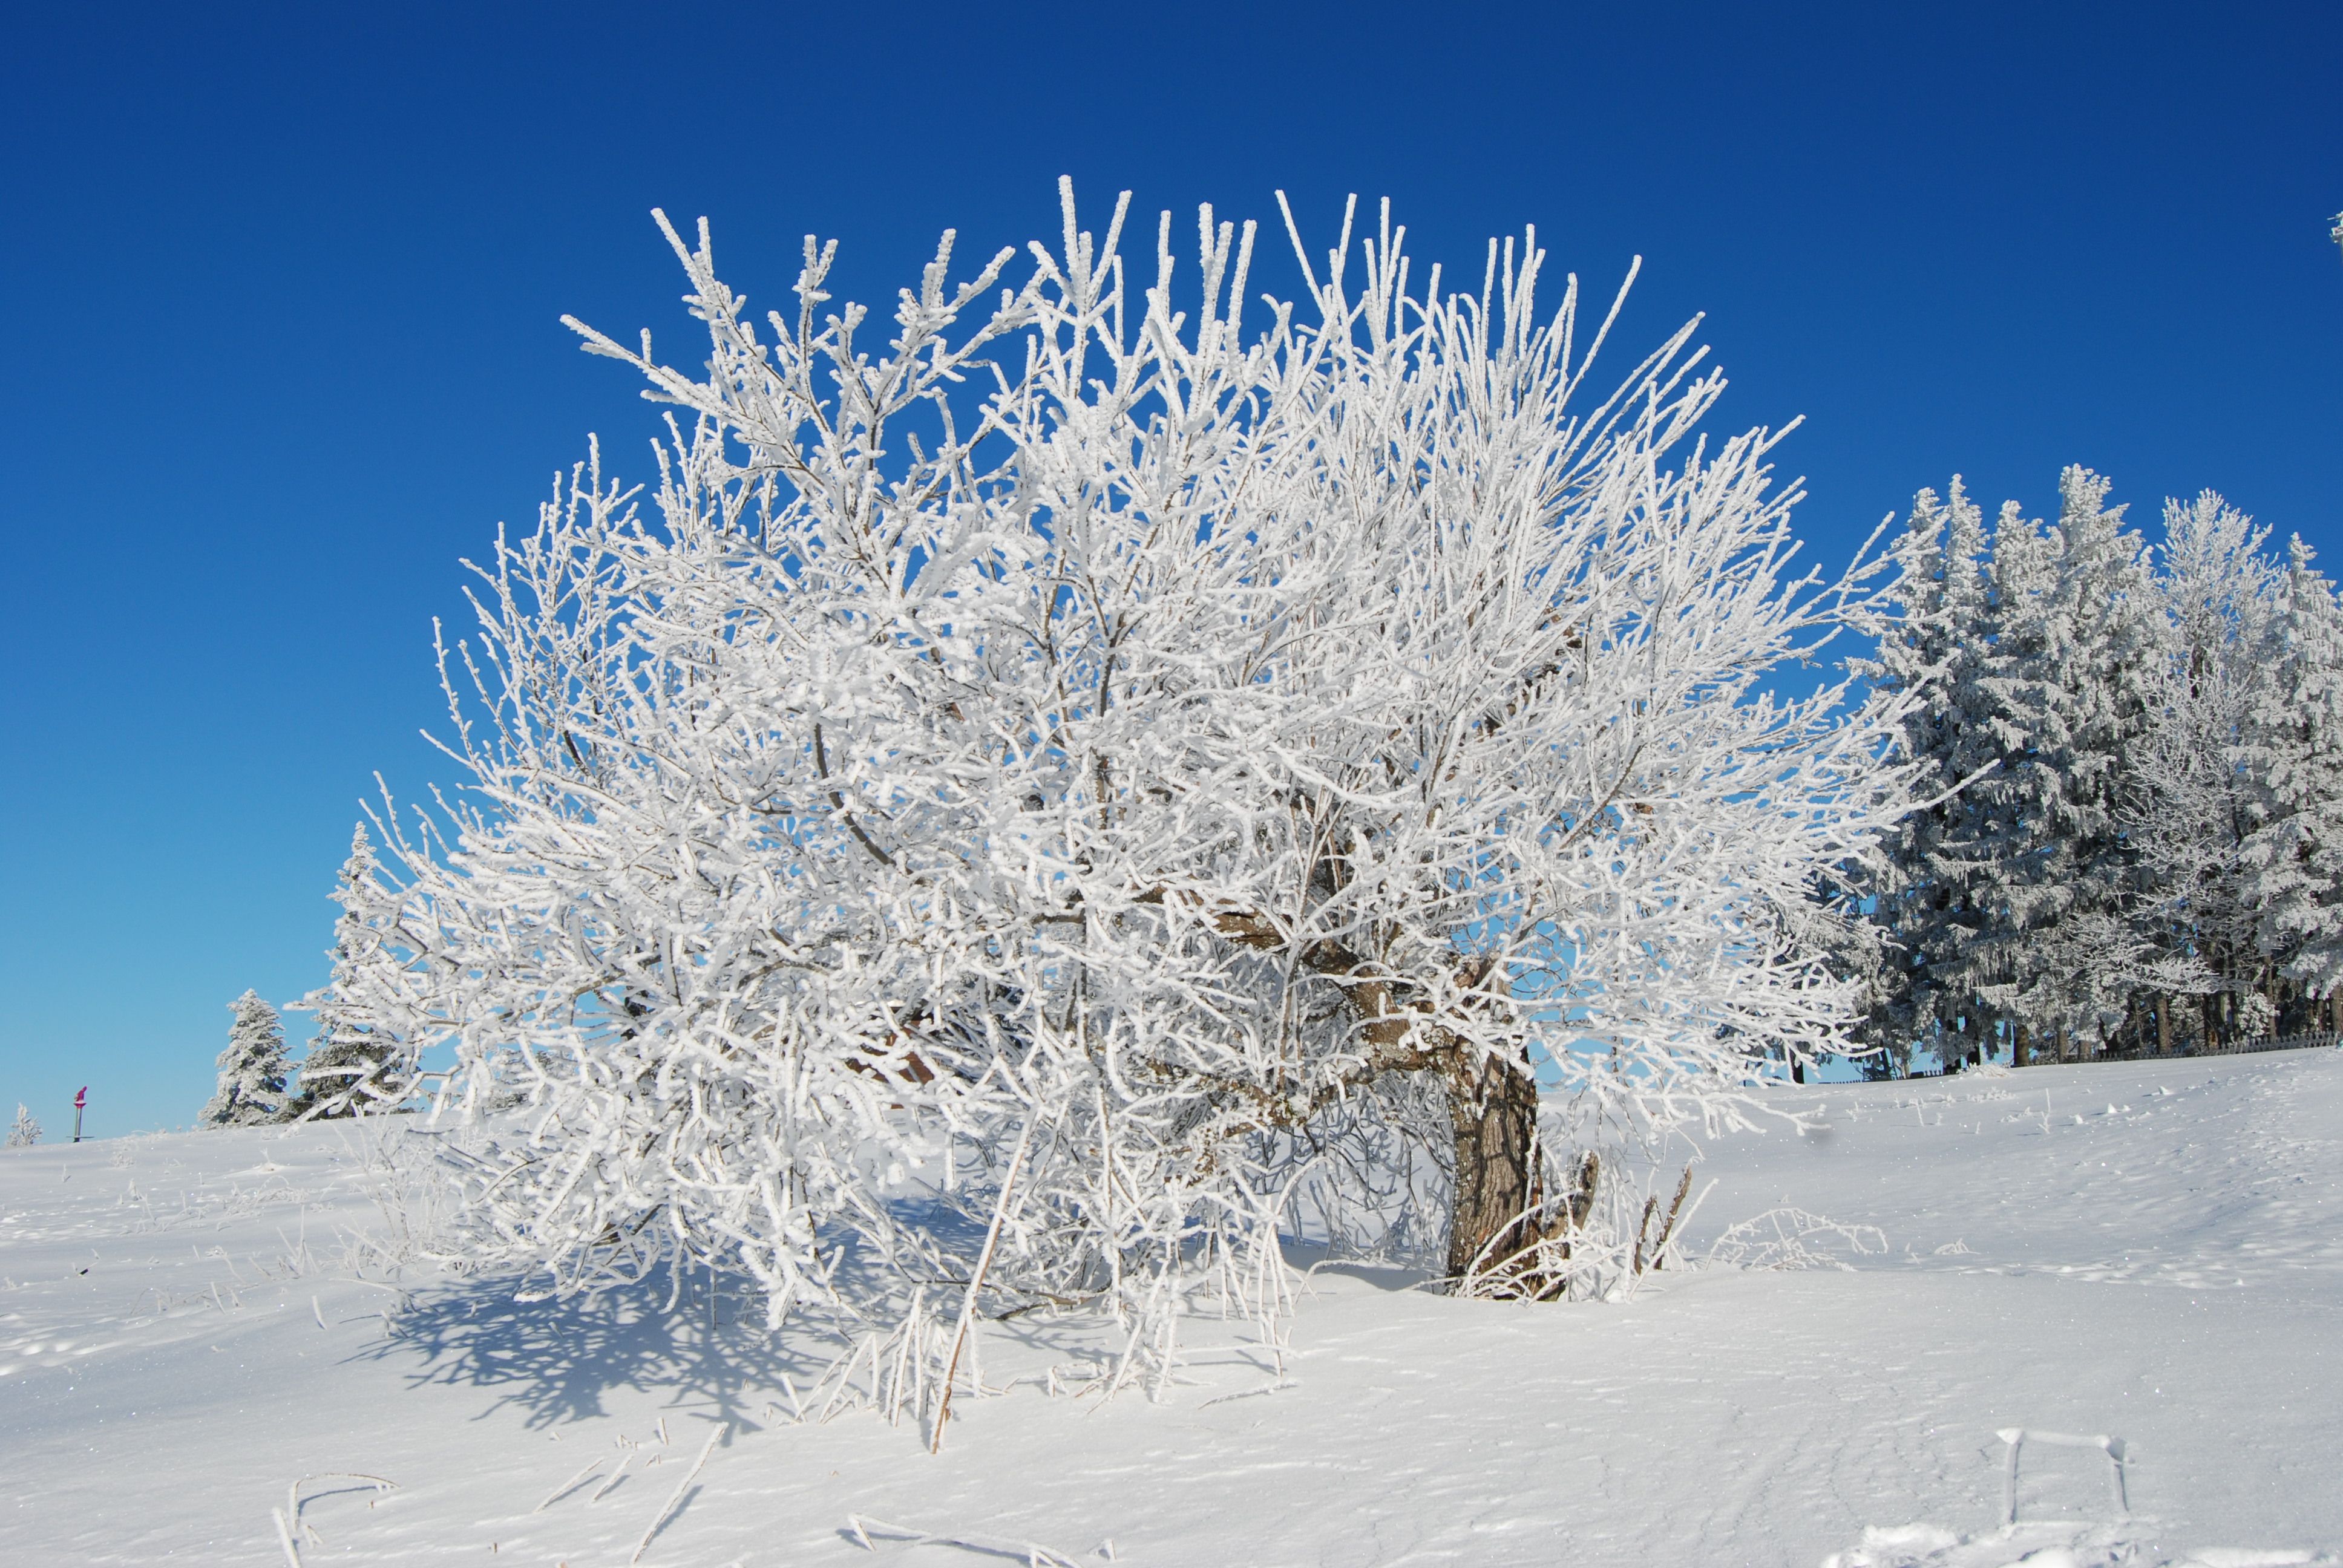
(281, 290)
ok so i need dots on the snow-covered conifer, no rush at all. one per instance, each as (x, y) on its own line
(2294, 857)
(2149, 830)
(2198, 776)
(24, 1131)
(354, 1064)
(2073, 650)
(1933, 900)
(252, 1069)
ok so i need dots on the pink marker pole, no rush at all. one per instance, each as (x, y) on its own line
(81, 1098)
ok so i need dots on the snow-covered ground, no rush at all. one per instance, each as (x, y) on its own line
(2152, 1253)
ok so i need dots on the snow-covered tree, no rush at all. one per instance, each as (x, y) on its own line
(252, 1069)
(2294, 855)
(2198, 790)
(354, 1063)
(1190, 764)
(24, 1131)
(2013, 901)
(1935, 901)
(2150, 831)
(2007, 900)
(2075, 653)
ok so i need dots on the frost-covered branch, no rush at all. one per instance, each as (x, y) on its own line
(1234, 761)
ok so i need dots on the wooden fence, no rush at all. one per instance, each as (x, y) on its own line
(2314, 1039)
(2311, 1041)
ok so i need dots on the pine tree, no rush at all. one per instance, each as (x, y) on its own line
(2012, 903)
(26, 1132)
(2158, 826)
(1930, 902)
(357, 1062)
(2294, 858)
(2072, 652)
(2200, 775)
(252, 1069)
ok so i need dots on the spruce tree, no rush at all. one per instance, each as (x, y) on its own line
(2011, 903)
(357, 1062)
(1928, 901)
(2294, 858)
(2149, 813)
(252, 1069)
(2072, 652)
(26, 1132)
(2200, 775)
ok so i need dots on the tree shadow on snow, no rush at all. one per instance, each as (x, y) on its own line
(557, 1360)
(1389, 1277)
(1315, 1261)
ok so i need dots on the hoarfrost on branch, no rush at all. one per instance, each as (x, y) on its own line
(1231, 750)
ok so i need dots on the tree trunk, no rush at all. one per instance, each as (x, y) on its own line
(1494, 1115)
(2164, 1024)
(2019, 1056)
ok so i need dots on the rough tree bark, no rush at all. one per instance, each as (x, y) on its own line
(1492, 1101)
(1493, 1112)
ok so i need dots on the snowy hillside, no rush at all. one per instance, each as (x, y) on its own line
(2153, 1253)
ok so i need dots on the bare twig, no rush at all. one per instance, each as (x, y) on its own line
(676, 1497)
(976, 1283)
(566, 1487)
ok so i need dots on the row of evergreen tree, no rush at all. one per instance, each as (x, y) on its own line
(2138, 846)
(353, 1063)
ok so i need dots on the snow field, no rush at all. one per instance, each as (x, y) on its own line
(2148, 1250)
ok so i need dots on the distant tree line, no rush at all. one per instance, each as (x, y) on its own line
(2134, 844)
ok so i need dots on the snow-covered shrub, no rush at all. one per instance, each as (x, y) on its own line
(1089, 773)
(252, 1069)
(1791, 1239)
(24, 1131)
(402, 1174)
